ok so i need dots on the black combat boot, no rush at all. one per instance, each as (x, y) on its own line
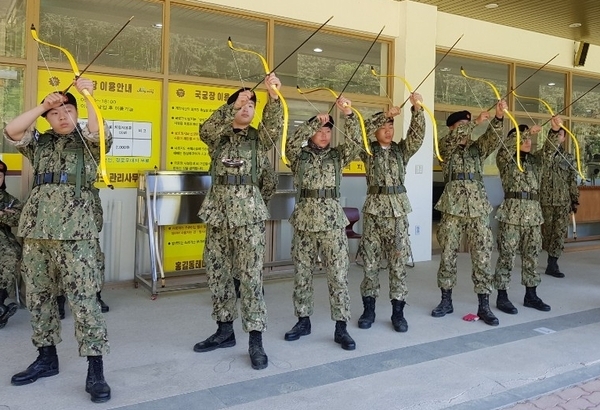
(398, 321)
(552, 268)
(445, 307)
(484, 312)
(301, 328)
(60, 302)
(532, 300)
(103, 306)
(6, 311)
(257, 354)
(342, 337)
(368, 317)
(505, 305)
(45, 365)
(223, 337)
(95, 384)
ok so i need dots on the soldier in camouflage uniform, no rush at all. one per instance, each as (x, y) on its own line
(465, 207)
(520, 217)
(318, 219)
(10, 211)
(99, 222)
(385, 229)
(60, 237)
(235, 214)
(559, 197)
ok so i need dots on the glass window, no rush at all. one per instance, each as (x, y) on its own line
(11, 98)
(547, 85)
(12, 34)
(84, 27)
(198, 45)
(454, 89)
(588, 136)
(328, 60)
(589, 105)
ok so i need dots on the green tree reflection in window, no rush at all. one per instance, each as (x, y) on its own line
(12, 28)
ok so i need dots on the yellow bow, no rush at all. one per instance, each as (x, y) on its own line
(427, 110)
(573, 137)
(91, 100)
(508, 114)
(286, 115)
(361, 121)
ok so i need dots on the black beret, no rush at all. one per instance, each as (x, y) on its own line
(390, 119)
(70, 100)
(522, 128)
(458, 116)
(233, 97)
(328, 124)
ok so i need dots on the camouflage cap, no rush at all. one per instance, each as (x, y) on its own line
(522, 128)
(389, 119)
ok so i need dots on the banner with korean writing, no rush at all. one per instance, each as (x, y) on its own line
(183, 247)
(132, 109)
(354, 168)
(189, 106)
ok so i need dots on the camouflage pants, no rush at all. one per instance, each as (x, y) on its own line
(101, 267)
(74, 263)
(9, 260)
(384, 238)
(528, 241)
(554, 229)
(333, 246)
(240, 250)
(479, 240)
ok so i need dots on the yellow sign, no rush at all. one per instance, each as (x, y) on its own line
(189, 106)
(183, 247)
(354, 168)
(132, 109)
(14, 162)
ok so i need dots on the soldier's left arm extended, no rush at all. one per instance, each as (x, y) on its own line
(351, 149)
(271, 125)
(414, 136)
(490, 140)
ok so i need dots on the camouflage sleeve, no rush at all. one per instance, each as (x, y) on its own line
(504, 156)
(216, 125)
(94, 138)
(550, 145)
(267, 182)
(351, 149)
(449, 143)
(573, 189)
(97, 209)
(294, 145)
(271, 126)
(371, 126)
(26, 145)
(414, 136)
(10, 218)
(489, 141)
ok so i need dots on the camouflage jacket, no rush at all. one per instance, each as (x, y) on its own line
(387, 167)
(319, 172)
(55, 211)
(514, 211)
(9, 219)
(467, 198)
(97, 209)
(559, 178)
(238, 205)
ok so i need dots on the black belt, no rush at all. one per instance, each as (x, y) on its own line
(319, 193)
(522, 195)
(54, 178)
(463, 176)
(386, 190)
(233, 180)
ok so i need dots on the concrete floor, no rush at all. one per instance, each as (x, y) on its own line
(439, 363)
